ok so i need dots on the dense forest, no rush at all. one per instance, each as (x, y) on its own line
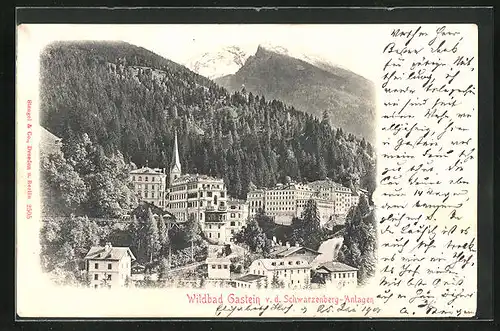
(129, 100)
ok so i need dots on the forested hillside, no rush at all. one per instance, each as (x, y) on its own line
(128, 99)
(348, 99)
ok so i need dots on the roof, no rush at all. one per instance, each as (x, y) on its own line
(235, 201)
(250, 278)
(49, 143)
(334, 266)
(328, 183)
(143, 207)
(195, 177)
(217, 260)
(113, 253)
(287, 251)
(147, 170)
(268, 264)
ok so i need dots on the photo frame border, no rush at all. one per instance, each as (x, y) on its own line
(482, 16)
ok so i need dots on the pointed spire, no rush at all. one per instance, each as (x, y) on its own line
(176, 163)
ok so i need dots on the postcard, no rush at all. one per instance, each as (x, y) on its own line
(246, 171)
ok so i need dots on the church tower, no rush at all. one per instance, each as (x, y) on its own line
(175, 169)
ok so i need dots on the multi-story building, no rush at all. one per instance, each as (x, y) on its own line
(255, 200)
(237, 215)
(336, 275)
(284, 202)
(108, 266)
(149, 185)
(344, 198)
(218, 268)
(214, 226)
(291, 272)
(192, 196)
(198, 197)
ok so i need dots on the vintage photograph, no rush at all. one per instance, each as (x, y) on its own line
(244, 164)
(247, 170)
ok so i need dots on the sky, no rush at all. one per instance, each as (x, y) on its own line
(349, 46)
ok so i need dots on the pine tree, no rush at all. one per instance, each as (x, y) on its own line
(310, 217)
(275, 281)
(252, 236)
(164, 270)
(163, 235)
(359, 245)
(152, 237)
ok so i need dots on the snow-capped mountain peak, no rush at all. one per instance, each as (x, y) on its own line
(229, 59)
(225, 61)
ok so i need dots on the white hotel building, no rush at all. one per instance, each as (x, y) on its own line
(284, 202)
(344, 198)
(293, 272)
(149, 185)
(204, 199)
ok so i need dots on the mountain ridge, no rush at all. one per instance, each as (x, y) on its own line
(311, 88)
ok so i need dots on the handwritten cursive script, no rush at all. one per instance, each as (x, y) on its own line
(427, 171)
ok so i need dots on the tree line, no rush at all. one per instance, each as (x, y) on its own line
(130, 100)
(157, 247)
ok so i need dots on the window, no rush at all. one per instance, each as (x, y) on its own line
(282, 263)
(146, 178)
(213, 266)
(109, 277)
(140, 178)
(109, 266)
(222, 194)
(334, 275)
(96, 277)
(219, 266)
(96, 266)
(95, 286)
(218, 235)
(225, 266)
(233, 223)
(343, 276)
(209, 194)
(273, 263)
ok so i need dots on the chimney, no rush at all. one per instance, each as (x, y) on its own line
(108, 246)
(274, 239)
(287, 244)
